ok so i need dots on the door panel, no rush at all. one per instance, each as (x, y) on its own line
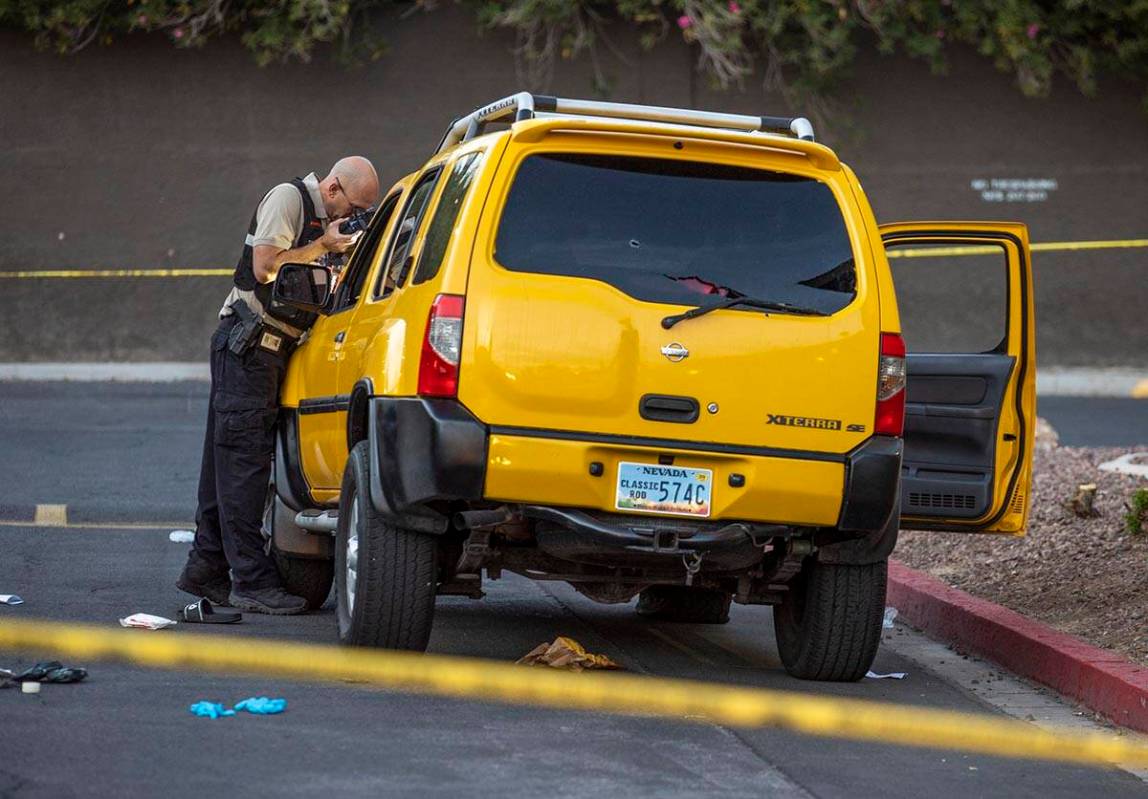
(322, 421)
(969, 416)
(951, 416)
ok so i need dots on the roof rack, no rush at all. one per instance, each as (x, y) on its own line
(525, 105)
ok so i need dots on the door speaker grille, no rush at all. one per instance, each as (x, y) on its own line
(943, 501)
(1018, 502)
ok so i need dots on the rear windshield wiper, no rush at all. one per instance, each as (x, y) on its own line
(765, 305)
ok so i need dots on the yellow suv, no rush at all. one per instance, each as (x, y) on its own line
(651, 352)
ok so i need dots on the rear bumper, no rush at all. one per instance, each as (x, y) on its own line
(568, 472)
(425, 450)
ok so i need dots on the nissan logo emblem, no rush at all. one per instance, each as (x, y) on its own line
(675, 352)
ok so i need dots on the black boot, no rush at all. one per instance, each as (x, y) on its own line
(274, 601)
(200, 578)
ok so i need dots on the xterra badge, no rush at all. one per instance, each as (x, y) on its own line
(806, 421)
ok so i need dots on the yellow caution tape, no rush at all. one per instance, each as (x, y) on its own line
(915, 252)
(683, 700)
(100, 273)
(988, 249)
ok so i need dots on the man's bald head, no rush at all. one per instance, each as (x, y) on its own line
(351, 184)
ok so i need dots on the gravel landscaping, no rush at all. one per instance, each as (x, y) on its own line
(1083, 576)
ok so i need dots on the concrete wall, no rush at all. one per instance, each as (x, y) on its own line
(141, 155)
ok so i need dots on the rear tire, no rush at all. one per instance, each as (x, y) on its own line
(309, 578)
(828, 627)
(302, 576)
(386, 597)
(680, 604)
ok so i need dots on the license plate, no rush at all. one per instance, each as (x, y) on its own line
(646, 488)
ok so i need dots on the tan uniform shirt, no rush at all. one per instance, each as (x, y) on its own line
(278, 223)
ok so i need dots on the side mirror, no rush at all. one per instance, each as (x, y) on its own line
(303, 286)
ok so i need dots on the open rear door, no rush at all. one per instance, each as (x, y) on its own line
(964, 291)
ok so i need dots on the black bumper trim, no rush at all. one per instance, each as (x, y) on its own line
(332, 404)
(667, 443)
(872, 476)
(290, 483)
(424, 450)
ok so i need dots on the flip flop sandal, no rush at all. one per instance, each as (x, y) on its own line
(51, 671)
(202, 612)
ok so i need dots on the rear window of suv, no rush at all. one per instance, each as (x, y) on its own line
(675, 231)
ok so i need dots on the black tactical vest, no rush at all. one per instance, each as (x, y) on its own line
(245, 269)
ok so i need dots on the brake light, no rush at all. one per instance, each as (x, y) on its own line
(442, 345)
(891, 386)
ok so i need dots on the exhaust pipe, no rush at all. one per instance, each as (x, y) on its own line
(478, 519)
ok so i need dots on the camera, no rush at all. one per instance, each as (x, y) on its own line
(356, 222)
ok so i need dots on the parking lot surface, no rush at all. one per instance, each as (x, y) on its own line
(128, 454)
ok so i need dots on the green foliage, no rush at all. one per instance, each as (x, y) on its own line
(803, 47)
(271, 29)
(1136, 518)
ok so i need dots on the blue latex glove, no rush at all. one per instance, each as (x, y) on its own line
(262, 705)
(211, 710)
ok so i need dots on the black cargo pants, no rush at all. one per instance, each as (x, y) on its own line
(237, 454)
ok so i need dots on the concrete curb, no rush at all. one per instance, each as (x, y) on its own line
(1102, 681)
(1055, 381)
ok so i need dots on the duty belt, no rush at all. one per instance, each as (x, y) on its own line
(250, 331)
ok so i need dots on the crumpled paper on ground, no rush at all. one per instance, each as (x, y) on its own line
(566, 653)
(896, 675)
(146, 621)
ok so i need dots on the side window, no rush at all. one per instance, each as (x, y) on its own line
(442, 223)
(397, 265)
(951, 299)
(351, 286)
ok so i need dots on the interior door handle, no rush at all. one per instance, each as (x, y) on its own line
(342, 334)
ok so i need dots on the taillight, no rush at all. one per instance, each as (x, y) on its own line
(442, 344)
(891, 386)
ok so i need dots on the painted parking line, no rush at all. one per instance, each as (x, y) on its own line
(51, 516)
(56, 517)
(98, 525)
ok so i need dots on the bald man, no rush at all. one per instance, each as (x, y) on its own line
(296, 222)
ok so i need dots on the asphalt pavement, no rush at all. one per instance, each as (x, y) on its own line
(130, 453)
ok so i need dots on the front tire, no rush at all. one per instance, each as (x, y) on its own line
(828, 627)
(385, 576)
